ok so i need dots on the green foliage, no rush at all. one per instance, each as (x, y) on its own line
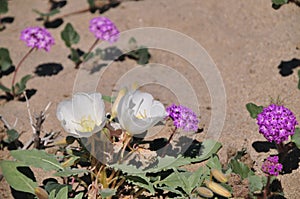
(254, 110)
(12, 135)
(107, 192)
(91, 3)
(37, 158)
(214, 163)
(75, 57)
(109, 99)
(141, 55)
(46, 15)
(280, 2)
(296, 137)
(87, 56)
(299, 79)
(15, 178)
(240, 168)
(159, 176)
(5, 60)
(256, 183)
(63, 193)
(185, 180)
(54, 188)
(138, 53)
(79, 196)
(3, 6)
(20, 87)
(69, 35)
(70, 172)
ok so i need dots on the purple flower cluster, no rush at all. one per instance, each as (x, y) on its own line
(271, 166)
(37, 37)
(104, 29)
(183, 117)
(276, 123)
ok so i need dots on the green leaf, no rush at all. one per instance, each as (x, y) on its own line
(141, 181)
(87, 56)
(21, 86)
(299, 79)
(52, 195)
(240, 168)
(168, 162)
(79, 196)
(69, 35)
(296, 137)
(75, 57)
(183, 178)
(254, 110)
(4, 88)
(107, 192)
(5, 60)
(37, 158)
(12, 135)
(70, 161)
(16, 179)
(255, 183)
(130, 169)
(3, 6)
(51, 13)
(280, 2)
(109, 99)
(91, 3)
(70, 172)
(197, 177)
(63, 193)
(143, 56)
(55, 187)
(214, 163)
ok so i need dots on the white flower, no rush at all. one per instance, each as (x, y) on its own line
(138, 111)
(83, 115)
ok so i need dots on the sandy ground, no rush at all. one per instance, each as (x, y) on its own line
(247, 40)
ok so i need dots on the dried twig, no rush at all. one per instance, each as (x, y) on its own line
(6, 124)
(37, 126)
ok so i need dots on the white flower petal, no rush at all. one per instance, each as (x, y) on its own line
(83, 106)
(99, 108)
(138, 111)
(83, 115)
(158, 110)
(65, 115)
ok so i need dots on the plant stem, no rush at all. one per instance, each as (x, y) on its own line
(87, 54)
(266, 190)
(282, 151)
(126, 142)
(169, 141)
(17, 68)
(75, 12)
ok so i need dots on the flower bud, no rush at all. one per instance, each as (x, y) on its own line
(219, 175)
(218, 189)
(205, 192)
(41, 193)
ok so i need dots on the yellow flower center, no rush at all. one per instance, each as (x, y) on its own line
(87, 124)
(141, 115)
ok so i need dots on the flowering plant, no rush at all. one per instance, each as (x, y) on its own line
(83, 115)
(138, 111)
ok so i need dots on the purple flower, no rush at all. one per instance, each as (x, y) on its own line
(104, 29)
(183, 117)
(37, 37)
(276, 123)
(271, 166)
